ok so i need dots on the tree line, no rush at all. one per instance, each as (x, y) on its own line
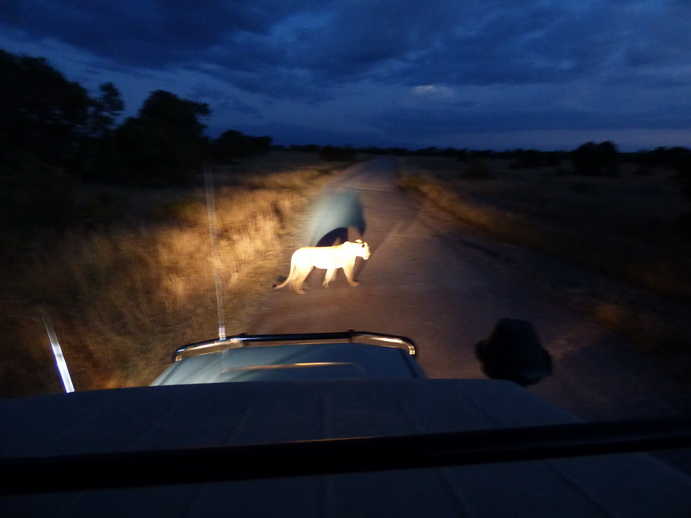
(49, 124)
(596, 159)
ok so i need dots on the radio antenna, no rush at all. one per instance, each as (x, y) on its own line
(215, 256)
(57, 352)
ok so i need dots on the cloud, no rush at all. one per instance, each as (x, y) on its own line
(510, 65)
(147, 32)
(321, 43)
(362, 35)
(435, 92)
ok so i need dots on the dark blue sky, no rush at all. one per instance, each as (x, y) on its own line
(480, 74)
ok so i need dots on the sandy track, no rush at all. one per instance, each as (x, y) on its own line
(446, 290)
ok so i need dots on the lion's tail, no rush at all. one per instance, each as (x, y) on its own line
(291, 276)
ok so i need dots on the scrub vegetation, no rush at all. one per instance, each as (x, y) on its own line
(124, 294)
(104, 227)
(620, 220)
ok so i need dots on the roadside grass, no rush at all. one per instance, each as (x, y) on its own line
(625, 228)
(123, 297)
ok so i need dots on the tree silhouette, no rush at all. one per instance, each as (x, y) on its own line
(232, 144)
(42, 114)
(337, 154)
(679, 160)
(593, 159)
(165, 144)
(105, 110)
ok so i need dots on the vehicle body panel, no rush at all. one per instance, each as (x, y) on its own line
(374, 392)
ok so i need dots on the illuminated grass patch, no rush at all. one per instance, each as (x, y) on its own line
(122, 298)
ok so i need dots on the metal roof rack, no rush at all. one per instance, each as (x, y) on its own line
(243, 340)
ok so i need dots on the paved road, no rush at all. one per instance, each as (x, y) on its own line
(446, 290)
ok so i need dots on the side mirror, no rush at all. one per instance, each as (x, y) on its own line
(513, 352)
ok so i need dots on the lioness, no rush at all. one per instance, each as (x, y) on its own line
(329, 258)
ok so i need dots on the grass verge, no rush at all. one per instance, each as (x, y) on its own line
(123, 297)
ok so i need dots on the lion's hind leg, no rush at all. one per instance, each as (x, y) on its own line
(330, 276)
(297, 286)
(291, 275)
(299, 279)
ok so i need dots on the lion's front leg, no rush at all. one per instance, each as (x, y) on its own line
(330, 276)
(348, 270)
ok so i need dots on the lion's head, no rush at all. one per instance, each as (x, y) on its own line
(362, 249)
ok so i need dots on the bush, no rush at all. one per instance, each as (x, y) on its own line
(476, 170)
(593, 159)
(337, 154)
(683, 178)
(684, 222)
(181, 212)
(232, 145)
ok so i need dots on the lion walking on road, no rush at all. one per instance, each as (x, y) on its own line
(329, 258)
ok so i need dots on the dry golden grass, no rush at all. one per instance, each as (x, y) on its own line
(123, 300)
(625, 228)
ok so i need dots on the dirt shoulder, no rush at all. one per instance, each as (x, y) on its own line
(509, 205)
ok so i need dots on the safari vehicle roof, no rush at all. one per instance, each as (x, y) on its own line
(264, 449)
(274, 358)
